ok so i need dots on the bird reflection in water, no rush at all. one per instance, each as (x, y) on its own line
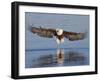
(61, 58)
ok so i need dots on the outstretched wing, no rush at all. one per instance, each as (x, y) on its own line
(72, 36)
(42, 32)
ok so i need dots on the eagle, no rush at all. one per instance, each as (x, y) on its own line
(58, 34)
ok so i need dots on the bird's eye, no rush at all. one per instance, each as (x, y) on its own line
(57, 31)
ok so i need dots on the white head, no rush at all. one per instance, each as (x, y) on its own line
(59, 31)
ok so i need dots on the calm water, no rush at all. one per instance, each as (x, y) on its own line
(56, 57)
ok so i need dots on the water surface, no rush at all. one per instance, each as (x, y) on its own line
(37, 58)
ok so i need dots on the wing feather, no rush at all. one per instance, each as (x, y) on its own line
(72, 36)
(42, 32)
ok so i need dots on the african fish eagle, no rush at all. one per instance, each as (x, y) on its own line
(58, 34)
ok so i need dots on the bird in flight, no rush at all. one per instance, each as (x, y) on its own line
(58, 34)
